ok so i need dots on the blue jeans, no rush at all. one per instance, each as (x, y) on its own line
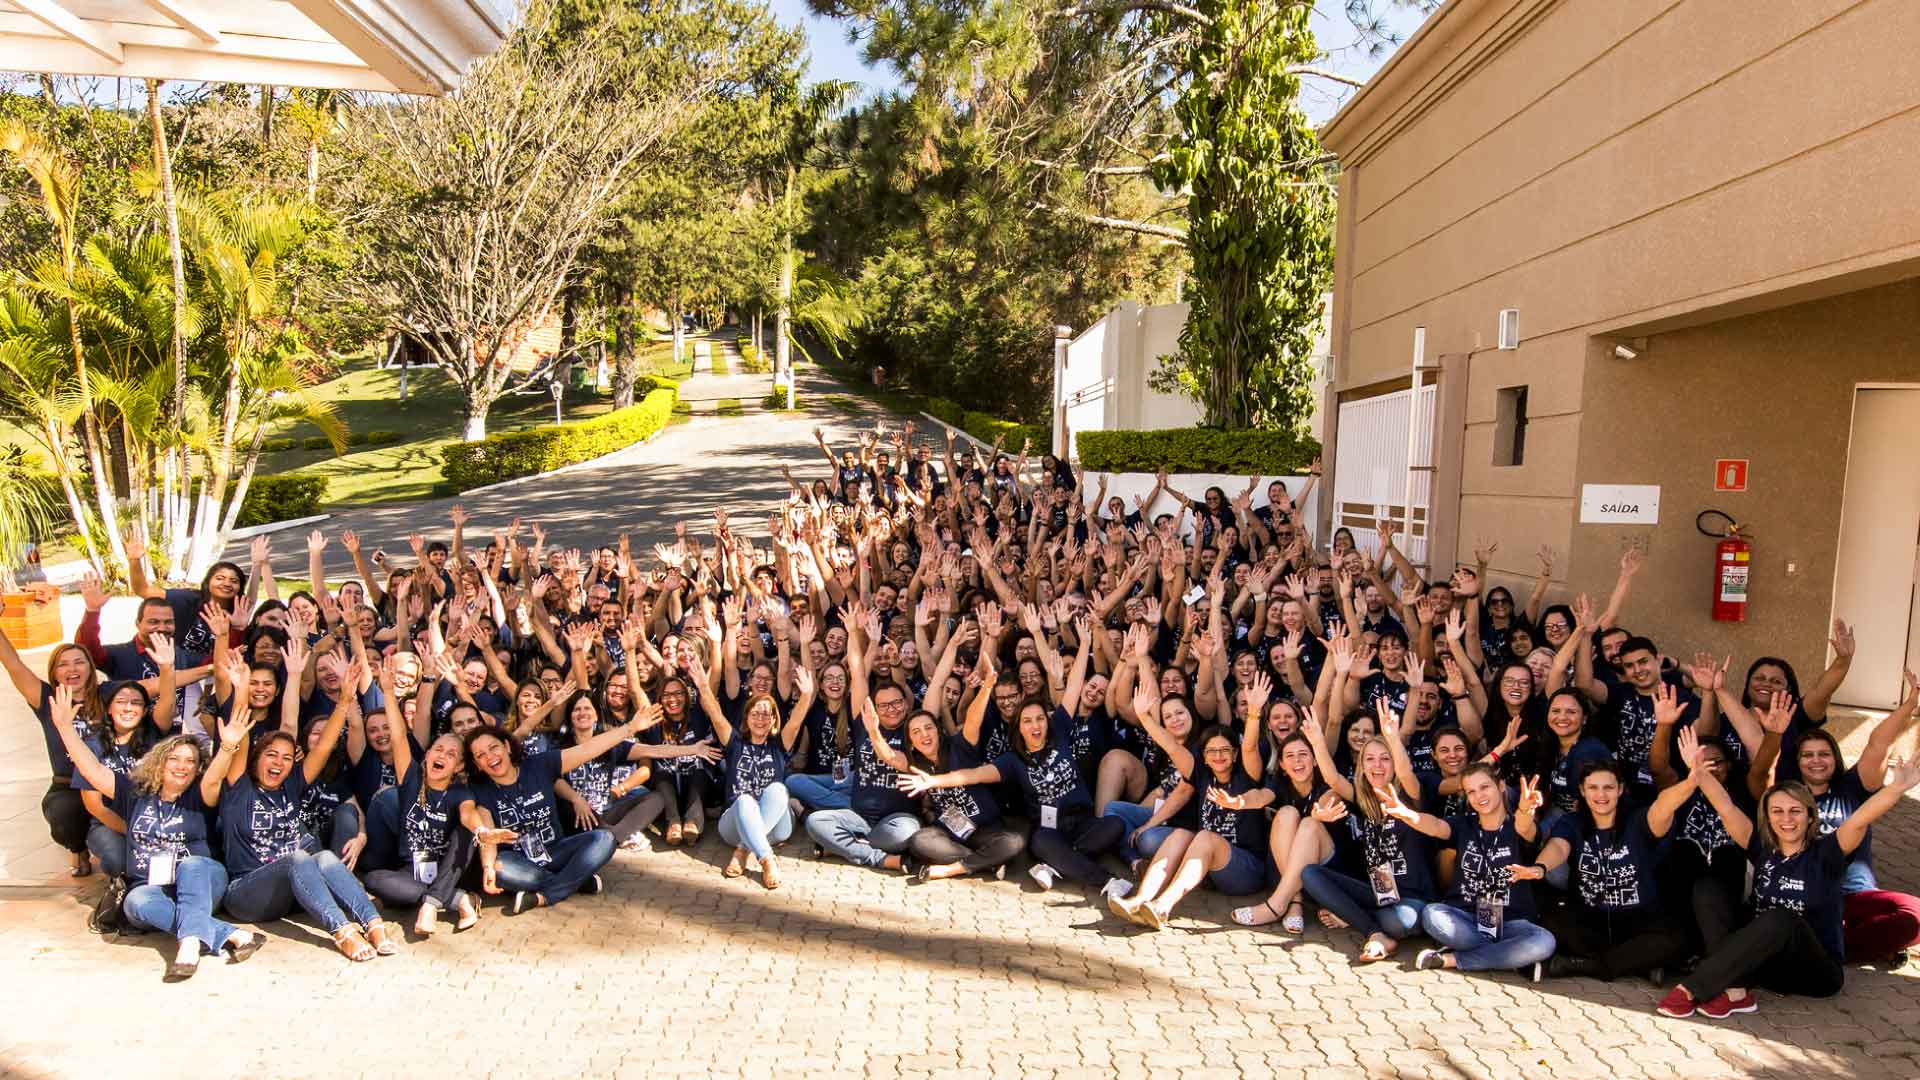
(383, 832)
(572, 861)
(1136, 815)
(1520, 944)
(1353, 901)
(758, 824)
(818, 791)
(318, 884)
(858, 841)
(346, 825)
(184, 908)
(109, 847)
(1858, 877)
(1244, 873)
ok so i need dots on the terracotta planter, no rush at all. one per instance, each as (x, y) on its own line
(30, 622)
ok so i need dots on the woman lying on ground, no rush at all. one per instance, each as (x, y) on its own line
(1793, 943)
(167, 803)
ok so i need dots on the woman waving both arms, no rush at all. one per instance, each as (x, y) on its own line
(515, 804)
(275, 866)
(1224, 785)
(757, 817)
(1484, 922)
(70, 666)
(167, 804)
(1793, 944)
(967, 835)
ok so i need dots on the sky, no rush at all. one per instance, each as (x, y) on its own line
(834, 57)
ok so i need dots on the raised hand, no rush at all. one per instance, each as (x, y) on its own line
(1483, 552)
(1456, 626)
(1905, 773)
(135, 547)
(1546, 555)
(1388, 720)
(92, 591)
(217, 620)
(316, 542)
(61, 706)
(234, 727)
(1842, 640)
(1689, 747)
(1666, 705)
(1531, 798)
(261, 550)
(1779, 715)
(1259, 692)
(351, 541)
(160, 647)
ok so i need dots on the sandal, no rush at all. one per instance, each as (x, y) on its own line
(691, 832)
(768, 875)
(352, 945)
(1372, 952)
(382, 942)
(1149, 916)
(428, 921)
(238, 951)
(737, 865)
(1250, 916)
(1295, 921)
(673, 836)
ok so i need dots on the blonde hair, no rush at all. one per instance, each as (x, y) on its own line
(1798, 792)
(1363, 795)
(146, 772)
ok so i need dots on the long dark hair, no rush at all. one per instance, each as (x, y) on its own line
(1793, 680)
(144, 734)
(206, 581)
(941, 749)
(1199, 773)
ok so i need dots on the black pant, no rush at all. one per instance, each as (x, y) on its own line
(1618, 943)
(400, 887)
(1777, 950)
(1071, 848)
(66, 815)
(1686, 872)
(984, 849)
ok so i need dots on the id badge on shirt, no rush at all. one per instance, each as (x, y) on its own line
(160, 868)
(957, 823)
(534, 848)
(1489, 915)
(1385, 889)
(1049, 817)
(841, 768)
(425, 868)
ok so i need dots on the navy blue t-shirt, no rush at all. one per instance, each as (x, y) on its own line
(1481, 870)
(1563, 781)
(751, 767)
(57, 758)
(1843, 796)
(190, 635)
(427, 824)
(259, 826)
(1630, 714)
(527, 806)
(593, 780)
(1404, 850)
(115, 756)
(963, 810)
(321, 799)
(1241, 828)
(696, 729)
(1807, 884)
(1612, 870)
(875, 795)
(155, 826)
(128, 661)
(1050, 779)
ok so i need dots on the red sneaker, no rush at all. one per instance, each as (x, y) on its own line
(1720, 1006)
(1676, 1004)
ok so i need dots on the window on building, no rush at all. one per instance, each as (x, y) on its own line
(1510, 427)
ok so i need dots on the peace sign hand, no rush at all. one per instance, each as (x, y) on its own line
(1530, 797)
(1393, 806)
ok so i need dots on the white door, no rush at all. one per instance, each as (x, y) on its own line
(1873, 587)
(1371, 467)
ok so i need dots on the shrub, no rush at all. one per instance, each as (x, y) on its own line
(316, 442)
(988, 428)
(945, 409)
(777, 400)
(282, 498)
(275, 446)
(509, 454)
(753, 360)
(373, 438)
(1205, 450)
(728, 406)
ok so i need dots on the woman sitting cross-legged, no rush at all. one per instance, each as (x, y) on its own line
(1793, 944)
(514, 804)
(1396, 857)
(757, 817)
(275, 866)
(1224, 786)
(167, 802)
(435, 849)
(967, 835)
(1485, 921)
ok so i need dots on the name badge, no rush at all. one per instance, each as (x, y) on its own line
(1385, 889)
(840, 770)
(1049, 817)
(534, 848)
(160, 868)
(1490, 915)
(425, 868)
(957, 823)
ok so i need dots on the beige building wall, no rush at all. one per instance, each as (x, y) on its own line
(1614, 169)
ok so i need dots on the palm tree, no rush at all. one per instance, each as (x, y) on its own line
(37, 394)
(58, 180)
(26, 510)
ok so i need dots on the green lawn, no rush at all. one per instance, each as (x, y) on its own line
(366, 399)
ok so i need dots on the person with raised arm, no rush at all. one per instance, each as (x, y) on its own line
(967, 834)
(133, 723)
(515, 804)
(757, 816)
(70, 666)
(436, 849)
(1485, 921)
(1794, 942)
(167, 803)
(274, 865)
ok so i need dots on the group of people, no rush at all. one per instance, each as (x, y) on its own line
(952, 668)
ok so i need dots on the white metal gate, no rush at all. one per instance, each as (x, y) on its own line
(1371, 471)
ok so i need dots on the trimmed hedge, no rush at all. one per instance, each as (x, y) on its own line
(275, 446)
(988, 428)
(943, 409)
(1197, 450)
(316, 442)
(752, 361)
(282, 498)
(510, 454)
(373, 438)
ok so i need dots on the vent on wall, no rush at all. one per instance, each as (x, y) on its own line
(1510, 328)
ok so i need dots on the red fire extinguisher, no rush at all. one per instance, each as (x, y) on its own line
(1732, 565)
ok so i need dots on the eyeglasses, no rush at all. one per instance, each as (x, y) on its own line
(1218, 751)
(891, 705)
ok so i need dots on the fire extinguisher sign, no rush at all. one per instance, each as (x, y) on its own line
(1733, 579)
(1730, 474)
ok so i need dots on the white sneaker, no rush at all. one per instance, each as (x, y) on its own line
(1117, 888)
(1044, 874)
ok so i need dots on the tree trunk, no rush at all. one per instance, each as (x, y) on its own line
(625, 349)
(313, 167)
(163, 168)
(476, 426)
(74, 504)
(679, 329)
(103, 491)
(240, 488)
(782, 359)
